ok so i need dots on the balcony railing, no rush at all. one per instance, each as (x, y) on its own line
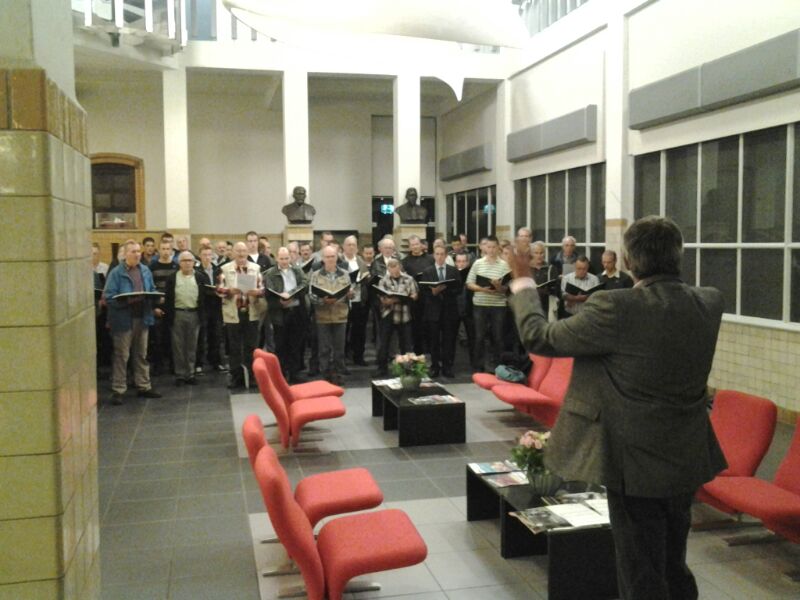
(540, 14)
(157, 23)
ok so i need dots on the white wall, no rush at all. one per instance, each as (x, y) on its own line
(235, 164)
(559, 84)
(125, 116)
(717, 28)
(668, 37)
(471, 124)
(382, 156)
(340, 136)
(383, 153)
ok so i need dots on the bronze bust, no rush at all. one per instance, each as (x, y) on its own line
(298, 211)
(411, 212)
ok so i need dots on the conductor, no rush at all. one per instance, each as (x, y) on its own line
(635, 417)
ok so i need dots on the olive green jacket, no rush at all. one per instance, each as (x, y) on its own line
(635, 416)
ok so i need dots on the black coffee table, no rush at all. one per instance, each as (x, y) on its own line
(419, 424)
(581, 562)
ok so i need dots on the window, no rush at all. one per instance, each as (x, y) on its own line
(563, 203)
(472, 212)
(740, 219)
(117, 191)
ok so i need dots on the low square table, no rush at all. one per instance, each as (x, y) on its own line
(581, 561)
(420, 424)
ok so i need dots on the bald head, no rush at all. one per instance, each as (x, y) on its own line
(240, 253)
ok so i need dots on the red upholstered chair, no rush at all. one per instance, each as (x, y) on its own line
(540, 366)
(346, 547)
(291, 417)
(545, 403)
(323, 494)
(298, 391)
(776, 503)
(733, 410)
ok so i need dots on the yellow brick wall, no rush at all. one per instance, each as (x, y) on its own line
(49, 532)
(761, 361)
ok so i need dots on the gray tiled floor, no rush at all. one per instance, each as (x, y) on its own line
(180, 509)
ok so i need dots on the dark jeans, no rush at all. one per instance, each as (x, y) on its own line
(386, 328)
(290, 339)
(650, 540)
(160, 347)
(210, 345)
(419, 335)
(330, 337)
(242, 338)
(487, 318)
(313, 343)
(357, 330)
(442, 340)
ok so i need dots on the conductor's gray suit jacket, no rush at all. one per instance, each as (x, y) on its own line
(635, 416)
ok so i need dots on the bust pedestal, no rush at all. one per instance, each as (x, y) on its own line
(298, 233)
(401, 233)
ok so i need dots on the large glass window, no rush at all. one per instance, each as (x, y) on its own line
(539, 207)
(741, 243)
(762, 283)
(117, 191)
(719, 186)
(576, 211)
(764, 185)
(796, 186)
(794, 309)
(718, 269)
(556, 205)
(681, 189)
(472, 212)
(598, 202)
(520, 203)
(647, 183)
(567, 203)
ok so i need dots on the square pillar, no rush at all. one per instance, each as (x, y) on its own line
(295, 132)
(407, 151)
(49, 527)
(176, 150)
(619, 164)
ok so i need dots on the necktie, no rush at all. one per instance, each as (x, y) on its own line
(441, 273)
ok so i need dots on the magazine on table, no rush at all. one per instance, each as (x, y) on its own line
(392, 384)
(502, 480)
(499, 466)
(435, 399)
(592, 512)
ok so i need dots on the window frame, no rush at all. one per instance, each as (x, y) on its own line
(587, 244)
(788, 245)
(105, 158)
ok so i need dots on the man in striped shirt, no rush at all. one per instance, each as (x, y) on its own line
(489, 303)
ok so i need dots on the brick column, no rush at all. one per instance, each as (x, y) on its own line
(49, 533)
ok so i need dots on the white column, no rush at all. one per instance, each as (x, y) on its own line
(407, 155)
(176, 149)
(502, 168)
(223, 22)
(295, 131)
(619, 165)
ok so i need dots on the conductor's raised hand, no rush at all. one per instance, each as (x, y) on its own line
(521, 262)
